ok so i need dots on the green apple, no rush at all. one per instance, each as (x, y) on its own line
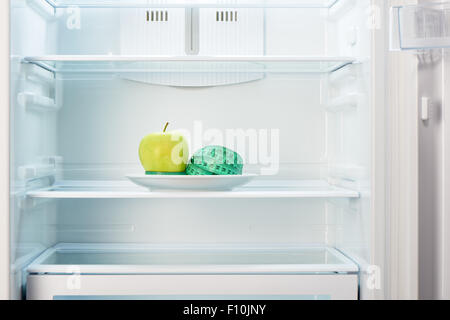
(164, 152)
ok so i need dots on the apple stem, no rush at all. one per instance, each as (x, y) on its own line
(165, 128)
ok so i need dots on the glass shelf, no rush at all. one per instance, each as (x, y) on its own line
(127, 190)
(189, 64)
(190, 259)
(193, 3)
(420, 27)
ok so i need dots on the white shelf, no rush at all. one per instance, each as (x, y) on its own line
(192, 3)
(127, 190)
(190, 259)
(420, 27)
(186, 64)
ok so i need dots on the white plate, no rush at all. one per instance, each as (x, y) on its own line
(184, 182)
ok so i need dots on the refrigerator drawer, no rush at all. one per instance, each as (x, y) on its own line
(193, 287)
(140, 271)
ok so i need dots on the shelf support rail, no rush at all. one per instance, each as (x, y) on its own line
(43, 7)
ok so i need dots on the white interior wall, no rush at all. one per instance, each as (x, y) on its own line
(33, 136)
(349, 154)
(196, 221)
(135, 109)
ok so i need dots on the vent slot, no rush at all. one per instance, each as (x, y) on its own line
(157, 16)
(226, 16)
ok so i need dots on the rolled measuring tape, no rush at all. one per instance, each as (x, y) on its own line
(216, 160)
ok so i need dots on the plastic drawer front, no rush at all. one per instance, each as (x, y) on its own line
(191, 287)
(146, 271)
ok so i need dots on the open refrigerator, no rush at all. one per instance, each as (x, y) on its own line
(308, 91)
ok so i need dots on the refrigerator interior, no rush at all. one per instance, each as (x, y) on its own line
(89, 81)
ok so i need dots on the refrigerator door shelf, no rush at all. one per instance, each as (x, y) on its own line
(69, 258)
(420, 27)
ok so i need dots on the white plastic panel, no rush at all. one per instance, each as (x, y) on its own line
(104, 31)
(193, 287)
(232, 32)
(227, 32)
(204, 32)
(152, 32)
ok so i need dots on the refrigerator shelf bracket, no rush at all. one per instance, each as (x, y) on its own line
(37, 102)
(47, 167)
(342, 75)
(44, 66)
(33, 173)
(37, 74)
(27, 203)
(43, 7)
(344, 103)
(340, 8)
(349, 204)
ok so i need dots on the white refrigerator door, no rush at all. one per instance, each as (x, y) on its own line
(391, 272)
(4, 150)
(401, 159)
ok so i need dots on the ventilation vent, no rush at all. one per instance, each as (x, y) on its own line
(157, 15)
(226, 16)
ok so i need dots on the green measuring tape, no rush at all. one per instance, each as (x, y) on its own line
(215, 160)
